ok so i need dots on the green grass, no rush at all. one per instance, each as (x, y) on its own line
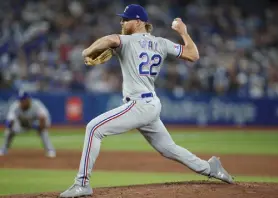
(15, 181)
(234, 142)
(33, 181)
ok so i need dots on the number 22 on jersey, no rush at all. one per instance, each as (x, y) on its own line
(149, 65)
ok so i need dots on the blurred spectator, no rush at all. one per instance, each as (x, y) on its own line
(41, 44)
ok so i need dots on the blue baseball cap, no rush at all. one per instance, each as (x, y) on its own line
(134, 11)
(22, 95)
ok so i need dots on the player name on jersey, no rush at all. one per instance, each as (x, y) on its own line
(150, 45)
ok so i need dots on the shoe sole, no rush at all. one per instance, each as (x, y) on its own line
(51, 156)
(83, 196)
(77, 196)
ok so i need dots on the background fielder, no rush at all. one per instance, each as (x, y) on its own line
(25, 114)
(141, 56)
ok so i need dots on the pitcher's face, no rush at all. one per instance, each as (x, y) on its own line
(128, 26)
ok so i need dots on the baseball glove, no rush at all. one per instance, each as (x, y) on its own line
(99, 58)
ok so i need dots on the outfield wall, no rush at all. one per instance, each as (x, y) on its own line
(188, 109)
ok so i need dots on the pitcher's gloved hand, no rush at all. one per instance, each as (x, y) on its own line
(99, 58)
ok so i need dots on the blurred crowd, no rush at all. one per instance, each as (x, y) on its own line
(41, 43)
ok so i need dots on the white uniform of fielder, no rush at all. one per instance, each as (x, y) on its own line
(20, 120)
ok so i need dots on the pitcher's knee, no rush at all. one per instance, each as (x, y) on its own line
(92, 129)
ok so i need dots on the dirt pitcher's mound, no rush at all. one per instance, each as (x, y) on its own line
(179, 190)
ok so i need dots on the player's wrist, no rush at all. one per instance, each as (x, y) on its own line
(184, 34)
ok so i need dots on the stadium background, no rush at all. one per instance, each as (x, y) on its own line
(232, 89)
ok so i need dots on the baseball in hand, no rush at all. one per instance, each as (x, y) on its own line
(174, 23)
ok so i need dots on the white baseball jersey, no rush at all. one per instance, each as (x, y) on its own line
(36, 110)
(141, 56)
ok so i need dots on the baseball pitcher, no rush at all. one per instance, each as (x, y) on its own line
(141, 56)
(24, 114)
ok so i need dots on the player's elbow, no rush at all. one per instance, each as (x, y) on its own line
(85, 53)
(195, 57)
(113, 40)
(194, 53)
(190, 53)
(191, 56)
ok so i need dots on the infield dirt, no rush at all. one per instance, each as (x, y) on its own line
(256, 165)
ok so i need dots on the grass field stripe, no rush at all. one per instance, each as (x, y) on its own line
(92, 134)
